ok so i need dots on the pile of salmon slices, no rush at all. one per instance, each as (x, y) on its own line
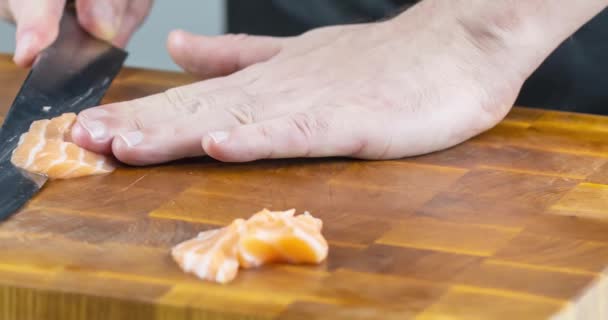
(267, 237)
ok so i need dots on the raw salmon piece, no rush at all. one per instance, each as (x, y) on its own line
(277, 237)
(267, 237)
(212, 255)
(47, 149)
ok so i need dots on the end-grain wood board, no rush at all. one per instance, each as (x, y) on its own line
(510, 225)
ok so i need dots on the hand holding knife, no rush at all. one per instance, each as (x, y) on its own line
(71, 75)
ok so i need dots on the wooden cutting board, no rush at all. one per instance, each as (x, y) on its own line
(511, 225)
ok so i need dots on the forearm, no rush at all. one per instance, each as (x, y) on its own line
(522, 31)
(534, 28)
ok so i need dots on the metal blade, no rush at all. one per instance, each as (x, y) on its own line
(71, 75)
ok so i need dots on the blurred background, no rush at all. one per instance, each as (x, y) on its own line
(147, 48)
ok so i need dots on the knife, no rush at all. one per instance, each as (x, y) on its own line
(71, 75)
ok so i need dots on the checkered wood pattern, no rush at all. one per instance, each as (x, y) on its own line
(511, 225)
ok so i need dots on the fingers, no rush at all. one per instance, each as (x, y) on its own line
(168, 126)
(113, 20)
(135, 15)
(38, 22)
(102, 18)
(97, 127)
(37, 27)
(219, 56)
(293, 136)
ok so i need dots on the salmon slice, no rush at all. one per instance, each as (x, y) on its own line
(267, 237)
(47, 149)
(281, 237)
(212, 255)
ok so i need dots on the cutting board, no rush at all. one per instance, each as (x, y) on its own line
(510, 225)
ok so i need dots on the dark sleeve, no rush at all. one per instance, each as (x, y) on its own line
(291, 17)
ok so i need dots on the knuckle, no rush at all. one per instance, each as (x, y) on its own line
(303, 124)
(264, 131)
(134, 118)
(243, 113)
(182, 103)
(137, 123)
(247, 108)
(308, 125)
(175, 97)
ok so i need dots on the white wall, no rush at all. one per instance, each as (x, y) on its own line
(147, 47)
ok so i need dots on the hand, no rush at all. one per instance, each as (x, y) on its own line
(38, 22)
(419, 83)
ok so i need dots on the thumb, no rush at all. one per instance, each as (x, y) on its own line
(37, 27)
(209, 57)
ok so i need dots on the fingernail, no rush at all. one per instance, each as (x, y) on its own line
(107, 19)
(96, 129)
(24, 46)
(132, 138)
(219, 136)
(177, 38)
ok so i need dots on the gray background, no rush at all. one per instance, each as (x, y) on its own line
(147, 47)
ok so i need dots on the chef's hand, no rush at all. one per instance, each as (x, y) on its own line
(38, 22)
(437, 75)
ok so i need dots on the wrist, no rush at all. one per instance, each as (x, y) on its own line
(515, 35)
(527, 31)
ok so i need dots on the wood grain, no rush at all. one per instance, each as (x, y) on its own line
(510, 225)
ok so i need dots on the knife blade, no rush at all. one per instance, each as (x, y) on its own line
(71, 75)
